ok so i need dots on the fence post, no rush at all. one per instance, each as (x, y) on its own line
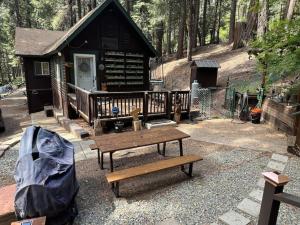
(274, 184)
(145, 106)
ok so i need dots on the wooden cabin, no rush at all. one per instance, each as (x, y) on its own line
(205, 72)
(104, 51)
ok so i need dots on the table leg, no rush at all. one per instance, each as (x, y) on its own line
(98, 156)
(111, 162)
(164, 149)
(158, 149)
(101, 161)
(181, 152)
(180, 147)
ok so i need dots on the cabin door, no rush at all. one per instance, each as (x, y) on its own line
(85, 71)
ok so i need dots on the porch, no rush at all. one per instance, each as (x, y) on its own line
(98, 105)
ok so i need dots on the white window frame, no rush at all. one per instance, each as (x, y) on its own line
(41, 63)
(94, 69)
(57, 69)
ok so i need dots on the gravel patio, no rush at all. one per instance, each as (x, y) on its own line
(230, 173)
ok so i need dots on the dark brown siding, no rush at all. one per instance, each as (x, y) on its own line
(112, 27)
(38, 88)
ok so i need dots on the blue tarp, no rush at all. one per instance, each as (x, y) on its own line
(46, 178)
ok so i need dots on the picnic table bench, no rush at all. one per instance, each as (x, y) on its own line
(112, 143)
(123, 141)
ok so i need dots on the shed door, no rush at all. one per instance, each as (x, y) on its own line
(85, 71)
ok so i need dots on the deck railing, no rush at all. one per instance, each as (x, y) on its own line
(98, 105)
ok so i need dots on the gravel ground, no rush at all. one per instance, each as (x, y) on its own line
(221, 181)
(7, 166)
(14, 111)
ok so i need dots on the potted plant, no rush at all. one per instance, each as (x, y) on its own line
(255, 114)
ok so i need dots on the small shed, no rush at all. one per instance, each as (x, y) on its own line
(205, 72)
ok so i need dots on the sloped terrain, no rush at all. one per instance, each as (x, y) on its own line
(235, 64)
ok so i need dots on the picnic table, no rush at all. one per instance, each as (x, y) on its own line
(112, 143)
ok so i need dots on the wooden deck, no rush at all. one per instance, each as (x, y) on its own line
(98, 105)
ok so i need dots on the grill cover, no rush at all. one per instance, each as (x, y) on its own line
(46, 178)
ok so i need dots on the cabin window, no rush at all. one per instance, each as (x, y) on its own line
(41, 68)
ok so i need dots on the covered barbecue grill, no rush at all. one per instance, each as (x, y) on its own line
(45, 177)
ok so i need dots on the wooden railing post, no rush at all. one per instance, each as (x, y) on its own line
(145, 106)
(274, 184)
(169, 104)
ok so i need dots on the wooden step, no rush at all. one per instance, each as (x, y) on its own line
(151, 167)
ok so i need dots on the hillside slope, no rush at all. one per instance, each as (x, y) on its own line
(234, 64)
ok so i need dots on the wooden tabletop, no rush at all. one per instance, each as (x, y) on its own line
(134, 139)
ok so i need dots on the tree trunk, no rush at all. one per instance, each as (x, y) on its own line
(79, 9)
(219, 22)
(248, 32)
(28, 13)
(263, 18)
(204, 25)
(89, 5)
(128, 6)
(18, 14)
(214, 28)
(169, 33)
(94, 4)
(1, 73)
(232, 20)
(181, 32)
(196, 22)
(70, 12)
(191, 7)
(159, 37)
(291, 8)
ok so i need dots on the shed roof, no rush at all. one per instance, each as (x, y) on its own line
(54, 43)
(206, 64)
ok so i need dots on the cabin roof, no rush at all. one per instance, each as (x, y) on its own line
(33, 42)
(50, 42)
(206, 64)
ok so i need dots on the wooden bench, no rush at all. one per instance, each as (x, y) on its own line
(115, 177)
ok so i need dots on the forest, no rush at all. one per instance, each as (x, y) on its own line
(269, 28)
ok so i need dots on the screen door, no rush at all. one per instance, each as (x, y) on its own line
(85, 71)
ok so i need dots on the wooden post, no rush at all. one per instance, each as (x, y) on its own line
(169, 104)
(137, 125)
(145, 106)
(269, 207)
(177, 110)
(97, 127)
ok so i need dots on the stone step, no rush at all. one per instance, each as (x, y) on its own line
(160, 123)
(280, 158)
(261, 182)
(277, 166)
(257, 195)
(234, 218)
(249, 207)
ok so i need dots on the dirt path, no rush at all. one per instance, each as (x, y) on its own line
(14, 111)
